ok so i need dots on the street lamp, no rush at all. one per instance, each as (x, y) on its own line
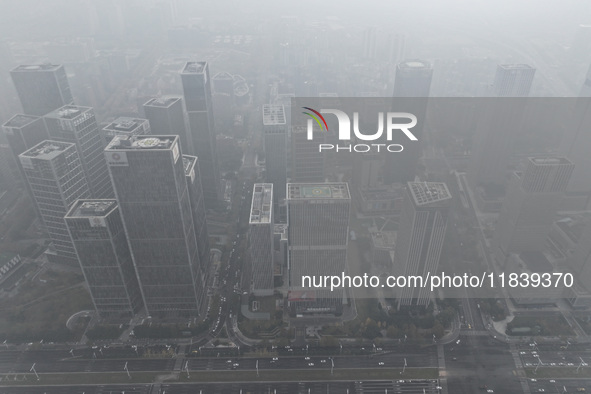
(127, 370)
(403, 368)
(332, 367)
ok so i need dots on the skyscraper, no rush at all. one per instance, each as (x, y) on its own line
(513, 80)
(531, 203)
(197, 200)
(167, 117)
(420, 237)
(151, 188)
(413, 83)
(307, 163)
(261, 233)
(586, 88)
(23, 132)
(499, 124)
(56, 179)
(124, 125)
(197, 93)
(413, 79)
(275, 129)
(78, 125)
(41, 88)
(318, 226)
(97, 232)
(576, 145)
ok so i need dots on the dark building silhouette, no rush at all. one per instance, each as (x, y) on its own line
(197, 94)
(41, 88)
(78, 125)
(150, 181)
(98, 236)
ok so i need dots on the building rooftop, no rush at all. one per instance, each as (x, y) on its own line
(516, 66)
(194, 68)
(91, 208)
(189, 163)
(273, 114)
(427, 193)
(262, 203)
(125, 125)
(550, 160)
(20, 120)
(46, 150)
(221, 76)
(383, 239)
(37, 67)
(68, 112)
(135, 142)
(313, 191)
(414, 64)
(163, 102)
(281, 229)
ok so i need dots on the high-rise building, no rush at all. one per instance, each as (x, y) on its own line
(124, 125)
(261, 234)
(78, 125)
(413, 83)
(275, 129)
(101, 246)
(531, 203)
(167, 117)
(41, 88)
(197, 94)
(318, 231)
(513, 80)
(199, 219)
(420, 236)
(413, 79)
(586, 88)
(151, 189)
(23, 132)
(56, 179)
(307, 163)
(576, 145)
(499, 124)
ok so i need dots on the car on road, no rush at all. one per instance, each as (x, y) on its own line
(310, 364)
(306, 358)
(381, 363)
(275, 358)
(322, 361)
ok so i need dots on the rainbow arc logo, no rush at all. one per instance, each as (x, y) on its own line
(315, 115)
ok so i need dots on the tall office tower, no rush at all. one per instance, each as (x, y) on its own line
(78, 125)
(531, 203)
(97, 232)
(167, 117)
(318, 231)
(275, 129)
(586, 88)
(307, 163)
(261, 234)
(197, 92)
(420, 237)
(223, 99)
(41, 88)
(413, 79)
(124, 125)
(191, 165)
(23, 132)
(412, 82)
(150, 185)
(576, 145)
(513, 80)
(500, 122)
(56, 179)
(10, 170)
(370, 40)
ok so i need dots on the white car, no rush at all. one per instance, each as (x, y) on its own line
(310, 364)
(381, 363)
